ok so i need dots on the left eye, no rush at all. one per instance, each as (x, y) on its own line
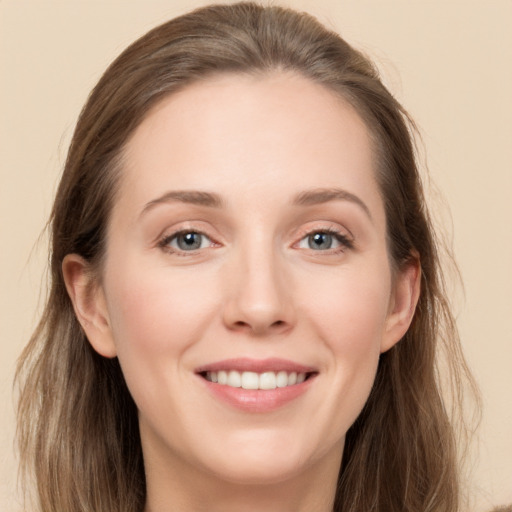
(188, 241)
(322, 241)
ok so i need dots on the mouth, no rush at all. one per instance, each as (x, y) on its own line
(250, 380)
(257, 385)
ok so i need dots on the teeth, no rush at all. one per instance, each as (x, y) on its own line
(250, 380)
(268, 380)
(234, 379)
(253, 380)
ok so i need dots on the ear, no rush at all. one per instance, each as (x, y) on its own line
(89, 304)
(404, 298)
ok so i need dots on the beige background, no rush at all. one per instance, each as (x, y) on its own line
(450, 62)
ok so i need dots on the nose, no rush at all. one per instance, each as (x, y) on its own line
(259, 300)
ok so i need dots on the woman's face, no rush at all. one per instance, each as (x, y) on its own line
(247, 246)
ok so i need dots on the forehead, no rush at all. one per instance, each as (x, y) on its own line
(248, 134)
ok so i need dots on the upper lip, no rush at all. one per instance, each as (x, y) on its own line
(244, 364)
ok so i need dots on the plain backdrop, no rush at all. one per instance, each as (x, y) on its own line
(449, 62)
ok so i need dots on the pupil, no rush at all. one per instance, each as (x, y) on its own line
(189, 241)
(320, 241)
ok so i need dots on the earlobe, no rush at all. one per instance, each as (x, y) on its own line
(89, 304)
(406, 292)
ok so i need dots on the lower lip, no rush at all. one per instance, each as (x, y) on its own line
(258, 400)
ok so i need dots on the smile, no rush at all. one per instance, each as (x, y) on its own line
(252, 380)
(257, 385)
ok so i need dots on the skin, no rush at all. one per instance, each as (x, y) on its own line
(256, 288)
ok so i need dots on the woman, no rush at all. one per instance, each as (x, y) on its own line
(246, 303)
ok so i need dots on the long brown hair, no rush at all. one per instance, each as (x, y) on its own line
(77, 423)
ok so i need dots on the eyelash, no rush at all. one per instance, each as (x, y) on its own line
(345, 242)
(167, 239)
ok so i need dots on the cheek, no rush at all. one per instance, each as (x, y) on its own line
(350, 318)
(350, 310)
(157, 313)
(354, 338)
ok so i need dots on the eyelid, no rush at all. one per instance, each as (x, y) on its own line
(175, 236)
(343, 236)
(169, 235)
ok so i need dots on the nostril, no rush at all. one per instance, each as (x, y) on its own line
(256, 327)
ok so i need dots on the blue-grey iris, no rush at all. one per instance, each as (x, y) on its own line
(320, 241)
(189, 241)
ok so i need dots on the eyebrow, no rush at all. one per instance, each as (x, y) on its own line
(186, 196)
(211, 200)
(325, 195)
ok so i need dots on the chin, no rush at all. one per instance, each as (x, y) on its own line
(264, 459)
(258, 470)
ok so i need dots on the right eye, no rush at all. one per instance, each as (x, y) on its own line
(186, 241)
